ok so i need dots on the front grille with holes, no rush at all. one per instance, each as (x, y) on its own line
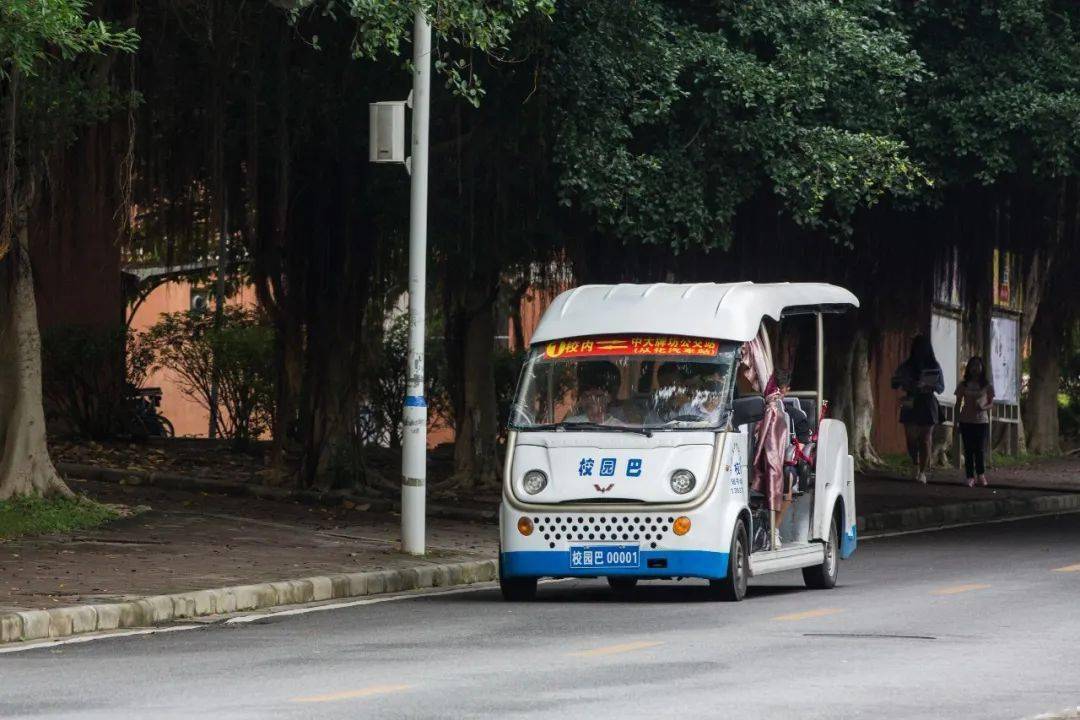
(646, 530)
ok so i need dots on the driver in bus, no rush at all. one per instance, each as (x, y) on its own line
(671, 392)
(597, 383)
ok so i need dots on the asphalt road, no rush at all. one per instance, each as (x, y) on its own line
(979, 622)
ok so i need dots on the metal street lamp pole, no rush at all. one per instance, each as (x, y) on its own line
(219, 309)
(414, 450)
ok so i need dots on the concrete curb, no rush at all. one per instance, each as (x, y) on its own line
(147, 611)
(175, 481)
(927, 518)
(153, 610)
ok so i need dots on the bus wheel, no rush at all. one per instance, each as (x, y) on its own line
(621, 585)
(733, 587)
(518, 589)
(823, 576)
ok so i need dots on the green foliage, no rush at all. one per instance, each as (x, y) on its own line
(507, 371)
(36, 33)
(47, 49)
(1069, 398)
(86, 370)
(380, 418)
(1003, 96)
(458, 26)
(33, 515)
(238, 355)
(384, 380)
(671, 117)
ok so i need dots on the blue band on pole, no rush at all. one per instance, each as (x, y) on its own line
(415, 401)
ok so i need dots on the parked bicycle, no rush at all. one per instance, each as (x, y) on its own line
(142, 419)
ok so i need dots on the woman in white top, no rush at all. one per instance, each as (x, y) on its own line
(974, 399)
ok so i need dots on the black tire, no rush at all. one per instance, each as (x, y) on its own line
(823, 576)
(733, 587)
(518, 589)
(622, 585)
(167, 426)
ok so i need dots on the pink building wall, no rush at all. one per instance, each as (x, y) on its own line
(188, 417)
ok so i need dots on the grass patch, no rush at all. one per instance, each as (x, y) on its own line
(1003, 460)
(899, 463)
(896, 463)
(41, 516)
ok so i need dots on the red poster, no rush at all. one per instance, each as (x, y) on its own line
(637, 345)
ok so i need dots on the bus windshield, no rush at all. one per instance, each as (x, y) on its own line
(626, 383)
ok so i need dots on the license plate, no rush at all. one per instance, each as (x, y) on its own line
(605, 556)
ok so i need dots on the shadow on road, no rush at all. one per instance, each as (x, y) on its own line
(651, 592)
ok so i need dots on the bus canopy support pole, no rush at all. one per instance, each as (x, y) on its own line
(820, 362)
(414, 445)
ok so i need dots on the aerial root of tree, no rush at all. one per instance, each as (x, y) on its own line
(25, 465)
(375, 480)
(863, 405)
(466, 483)
(852, 394)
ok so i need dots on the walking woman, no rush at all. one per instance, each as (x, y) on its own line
(974, 399)
(920, 378)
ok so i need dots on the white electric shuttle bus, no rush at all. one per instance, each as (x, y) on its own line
(632, 441)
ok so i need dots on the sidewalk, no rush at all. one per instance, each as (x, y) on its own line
(193, 540)
(251, 552)
(1061, 474)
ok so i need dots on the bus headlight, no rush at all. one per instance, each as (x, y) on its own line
(682, 481)
(534, 482)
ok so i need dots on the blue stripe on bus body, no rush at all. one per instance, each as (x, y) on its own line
(556, 563)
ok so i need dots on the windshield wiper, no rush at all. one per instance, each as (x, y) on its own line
(585, 425)
(616, 428)
(541, 428)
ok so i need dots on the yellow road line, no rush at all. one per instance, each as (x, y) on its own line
(351, 694)
(807, 614)
(614, 649)
(1068, 568)
(957, 589)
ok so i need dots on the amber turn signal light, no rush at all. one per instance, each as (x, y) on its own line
(525, 526)
(681, 526)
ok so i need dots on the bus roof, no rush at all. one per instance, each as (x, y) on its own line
(731, 311)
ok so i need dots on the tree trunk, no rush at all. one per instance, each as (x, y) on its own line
(475, 452)
(1039, 271)
(848, 387)
(1047, 337)
(862, 424)
(25, 465)
(1049, 316)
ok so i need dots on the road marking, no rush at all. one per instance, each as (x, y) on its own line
(37, 644)
(807, 614)
(351, 694)
(615, 649)
(957, 589)
(1068, 568)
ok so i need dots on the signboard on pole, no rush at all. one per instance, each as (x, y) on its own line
(1005, 358)
(944, 337)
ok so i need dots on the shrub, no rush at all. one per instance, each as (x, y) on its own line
(83, 368)
(238, 355)
(507, 371)
(1069, 396)
(380, 416)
